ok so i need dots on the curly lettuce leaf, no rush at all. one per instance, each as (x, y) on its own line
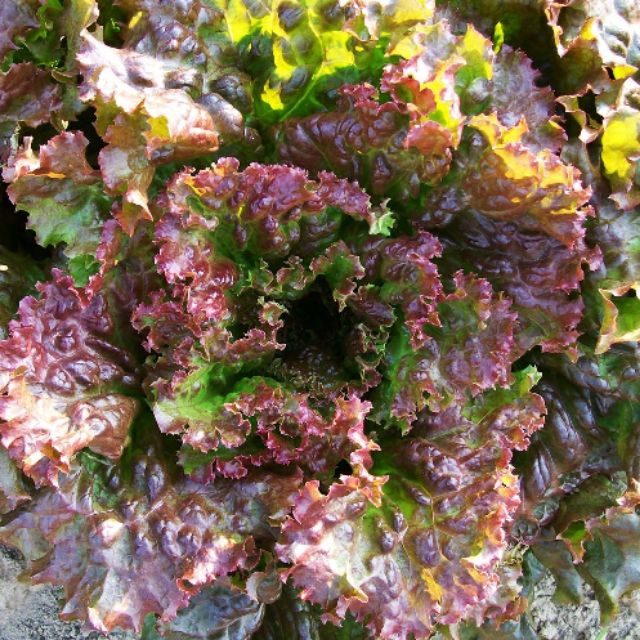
(516, 94)
(28, 95)
(468, 350)
(66, 385)
(146, 116)
(517, 216)
(404, 276)
(63, 195)
(129, 539)
(246, 254)
(442, 79)
(534, 270)
(287, 430)
(511, 181)
(420, 544)
(362, 140)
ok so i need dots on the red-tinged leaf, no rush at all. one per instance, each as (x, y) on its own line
(510, 181)
(483, 324)
(516, 94)
(542, 296)
(128, 540)
(257, 231)
(407, 277)
(230, 314)
(529, 243)
(366, 141)
(280, 210)
(421, 544)
(27, 95)
(64, 382)
(194, 403)
(16, 17)
(190, 389)
(126, 273)
(154, 123)
(468, 351)
(289, 430)
(61, 192)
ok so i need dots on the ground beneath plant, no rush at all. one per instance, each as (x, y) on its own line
(31, 613)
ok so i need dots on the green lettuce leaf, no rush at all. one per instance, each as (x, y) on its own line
(62, 193)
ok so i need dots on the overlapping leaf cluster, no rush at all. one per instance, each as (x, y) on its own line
(319, 319)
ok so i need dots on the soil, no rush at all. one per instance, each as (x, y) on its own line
(31, 612)
(581, 622)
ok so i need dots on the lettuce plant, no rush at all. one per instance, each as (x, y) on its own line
(318, 319)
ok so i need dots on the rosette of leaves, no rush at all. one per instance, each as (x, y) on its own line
(298, 388)
(248, 257)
